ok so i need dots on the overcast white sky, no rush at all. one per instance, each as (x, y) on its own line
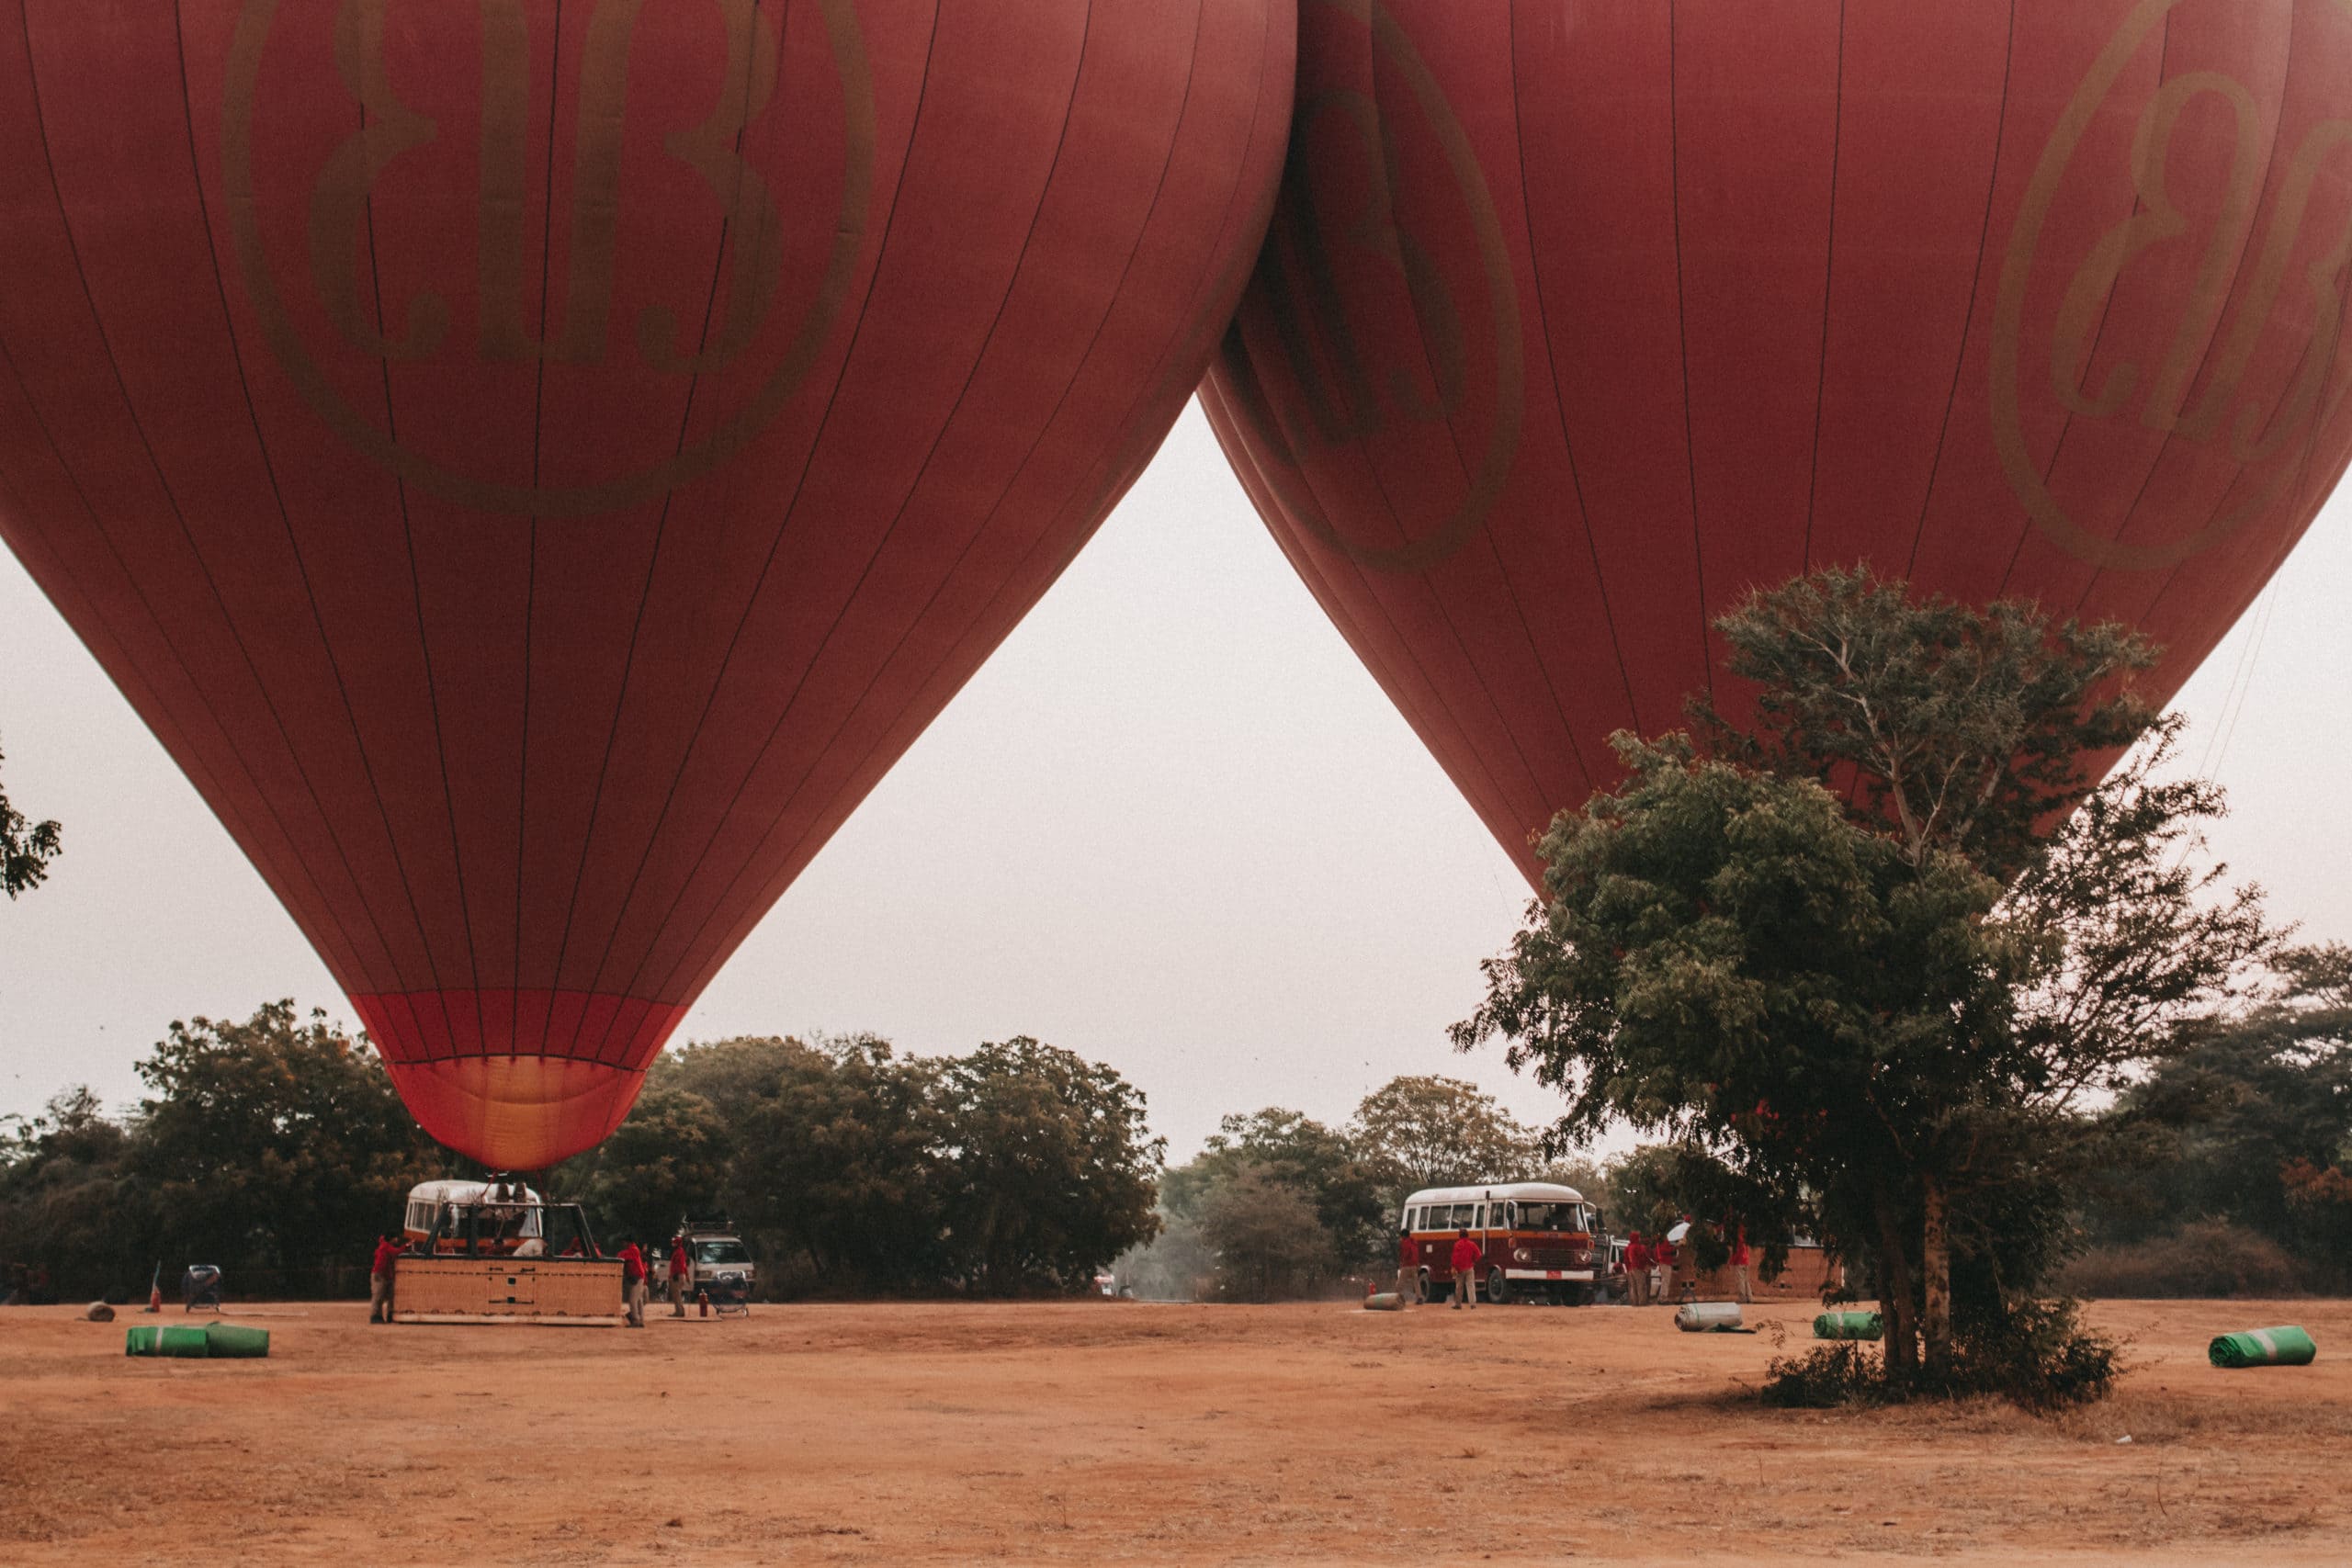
(1172, 825)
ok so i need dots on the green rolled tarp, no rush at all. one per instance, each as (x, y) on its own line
(1849, 1326)
(228, 1341)
(197, 1342)
(186, 1342)
(2287, 1347)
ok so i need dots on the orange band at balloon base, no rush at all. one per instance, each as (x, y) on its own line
(517, 1080)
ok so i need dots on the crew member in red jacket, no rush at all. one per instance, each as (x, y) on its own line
(379, 1278)
(633, 1283)
(1739, 1262)
(681, 1272)
(1667, 1255)
(1638, 1270)
(1466, 1257)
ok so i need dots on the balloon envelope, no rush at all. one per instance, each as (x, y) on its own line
(1581, 319)
(536, 466)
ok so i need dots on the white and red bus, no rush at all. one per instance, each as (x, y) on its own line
(1534, 1238)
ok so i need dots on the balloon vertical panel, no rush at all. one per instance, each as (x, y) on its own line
(1581, 319)
(535, 464)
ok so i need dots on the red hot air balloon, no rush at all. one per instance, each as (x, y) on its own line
(1581, 319)
(536, 465)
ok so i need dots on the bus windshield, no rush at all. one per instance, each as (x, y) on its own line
(1551, 1217)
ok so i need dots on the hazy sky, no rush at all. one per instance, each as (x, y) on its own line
(1172, 825)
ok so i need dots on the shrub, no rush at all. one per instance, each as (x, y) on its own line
(2208, 1258)
(1845, 1373)
(2037, 1354)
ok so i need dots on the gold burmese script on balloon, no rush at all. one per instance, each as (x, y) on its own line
(581, 335)
(2271, 449)
(1353, 399)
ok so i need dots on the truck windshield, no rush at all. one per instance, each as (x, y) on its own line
(721, 1252)
(1550, 1216)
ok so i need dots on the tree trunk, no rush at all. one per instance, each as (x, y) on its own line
(1894, 1301)
(1935, 1259)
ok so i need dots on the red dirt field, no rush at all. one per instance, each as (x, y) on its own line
(1114, 1431)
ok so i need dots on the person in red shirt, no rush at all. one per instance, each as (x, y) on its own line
(1739, 1262)
(632, 1283)
(379, 1278)
(1638, 1270)
(1665, 1253)
(1467, 1257)
(681, 1275)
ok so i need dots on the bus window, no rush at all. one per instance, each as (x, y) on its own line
(1551, 1217)
(1409, 1222)
(1478, 1221)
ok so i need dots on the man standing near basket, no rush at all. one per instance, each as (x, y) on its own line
(632, 1283)
(379, 1278)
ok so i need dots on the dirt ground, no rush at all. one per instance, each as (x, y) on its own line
(1124, 1432)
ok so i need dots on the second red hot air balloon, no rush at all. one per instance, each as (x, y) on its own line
(536, 465)
(1581, 319)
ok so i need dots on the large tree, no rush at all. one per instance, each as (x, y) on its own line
(1803, 952)
(1725, 958)
(1253, 1223)
(1050, 1164)
(1345, 1188)
(1439, 1131)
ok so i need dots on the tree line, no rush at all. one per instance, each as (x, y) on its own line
(277, 1148)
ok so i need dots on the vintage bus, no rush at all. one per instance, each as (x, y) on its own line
(510, 1217)
(1535, 1238)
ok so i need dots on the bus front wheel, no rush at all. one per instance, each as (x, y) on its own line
(1498, 1287)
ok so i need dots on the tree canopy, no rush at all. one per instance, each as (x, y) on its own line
(26, 848)
(1440, 1131)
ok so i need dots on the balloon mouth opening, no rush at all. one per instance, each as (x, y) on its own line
(517, 1112)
